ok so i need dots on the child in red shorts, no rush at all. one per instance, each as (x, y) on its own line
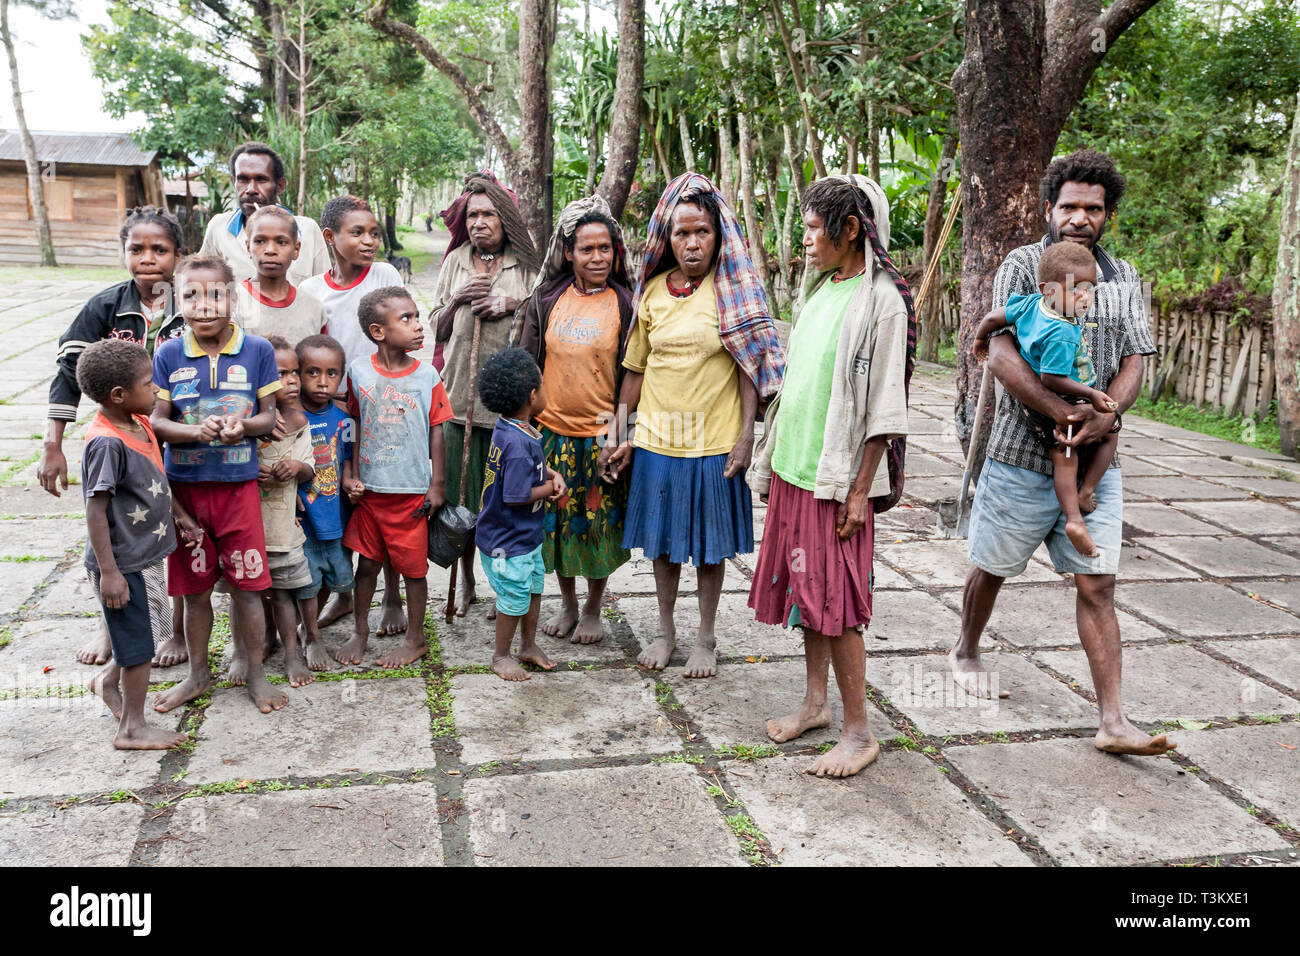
(398, 403)
(216, 394)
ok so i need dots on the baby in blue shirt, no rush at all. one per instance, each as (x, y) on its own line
(1049, 329)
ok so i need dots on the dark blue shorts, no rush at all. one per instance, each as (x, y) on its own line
(331, 567)
(134, 630)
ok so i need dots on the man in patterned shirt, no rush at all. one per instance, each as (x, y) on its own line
(1015, 509)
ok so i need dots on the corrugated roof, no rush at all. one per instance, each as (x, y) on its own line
(92, 149)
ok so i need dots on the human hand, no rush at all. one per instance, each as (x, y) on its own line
(613, 459)
(263, 472)
(188, 530)
(280, 429)
(208, 429)
(52, 470)
(1090, 426)
(284, 470)
(980, 348)
(113, 589)
(558, 487)
(742, 453)
(1103, 402)
(232, 430)
(354, 488)
(435, 497)
(851, 516)
(474, 288)
(492, 307)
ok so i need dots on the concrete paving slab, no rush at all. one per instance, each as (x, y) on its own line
(1246, 517)
(78, 836)
(1265, 486)
(738, 634)
(911, 620)
(1138, 563)
(920, 464)
(1290, 543)
(392, 825)
(885, 578)
(1157, 518)
(1261, 762)
(1165, 683)
(71, 594)
(20, 582)
(1088, 808)
(1276, 658)
(18, 500)
(1044, 616)
(57, 746)
(616, 816)
(1227, 557)
(1155, 429)
(558, 716)
(326, 728)
(1286, 593)
(468, 640)
(1135, 467)
(1203, 609)
(637, 576)
(926, 491)
(1226, 449)
(900, 811)
(1197, 465)
(945, 563)
(1149, 447)
(48, 643)
(734, 707)
(45, 537)
(922, 688)
(1178, 489)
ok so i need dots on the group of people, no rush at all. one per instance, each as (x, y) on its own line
(280, 442)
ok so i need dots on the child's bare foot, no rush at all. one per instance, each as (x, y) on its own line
(352, 651)
(265, 697)
(655, 657)
(295, 668)
(407, 652)
(171, 652)
(536, 657)
(701, 662)
(464, 596)
(96, 651)
(507, 668)
(1077, 532)
(492, 611)
(318, 658)
(145, 737)
(800, 722)
(182, 693)
(969, 674)
(270, 643)
(105, 685)
(1087, 500)
(1124, 738)
(589, 630)
(561, 622)
(392, 620)
(237, 673)
(339, 605)
(854, 752)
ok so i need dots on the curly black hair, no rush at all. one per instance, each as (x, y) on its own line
(322, 341)
(255, 148)
(834, 201)
(331, 216)
(157, 216)
(200, 261)
(588, 219)
(1064, 262)
(109, 364)
(507, 379)
(278, 211)
(368, 307)
(1083, 166)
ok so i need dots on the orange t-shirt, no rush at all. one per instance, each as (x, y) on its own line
(581, 359)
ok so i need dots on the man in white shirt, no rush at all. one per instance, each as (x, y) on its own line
(257, 173)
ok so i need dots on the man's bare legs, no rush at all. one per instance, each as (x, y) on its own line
(703, 659)
(978, 598)
(198, 631)
(1099, 634)
(814, 712)
(667, 577)
(586, 626)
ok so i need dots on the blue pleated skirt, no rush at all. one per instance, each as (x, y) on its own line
(684, 510)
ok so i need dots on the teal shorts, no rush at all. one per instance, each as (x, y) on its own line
(515, 580)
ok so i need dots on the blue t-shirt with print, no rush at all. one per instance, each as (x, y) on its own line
(1051, 344)
(331, 446)
(198, 385)
(508, 525)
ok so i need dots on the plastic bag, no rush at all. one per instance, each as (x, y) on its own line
(451, 534)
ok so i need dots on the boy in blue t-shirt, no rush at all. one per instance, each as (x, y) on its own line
(516, 482)
(1049, 329)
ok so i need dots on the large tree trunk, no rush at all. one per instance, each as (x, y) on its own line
(34, 185)
(622, 145)
(929, 350)
(390, 226)
(532, 175)
(279, 73)
(1286, 300)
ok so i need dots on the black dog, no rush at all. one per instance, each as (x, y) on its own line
(402, 264)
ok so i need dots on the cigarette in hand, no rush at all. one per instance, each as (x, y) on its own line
(1069, 433)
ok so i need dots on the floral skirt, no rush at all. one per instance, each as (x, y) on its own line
(583, 531)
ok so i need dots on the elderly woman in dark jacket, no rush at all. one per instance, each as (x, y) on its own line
(576, 325)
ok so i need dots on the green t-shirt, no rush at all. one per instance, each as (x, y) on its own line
(806, 394)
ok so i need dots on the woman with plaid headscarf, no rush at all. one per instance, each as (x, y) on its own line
(702, 354)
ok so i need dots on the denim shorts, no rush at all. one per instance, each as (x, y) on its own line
(515, 580)
(1016, 510)
(330, 565)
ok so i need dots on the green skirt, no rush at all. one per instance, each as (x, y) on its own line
(481, 440)
(583, 531)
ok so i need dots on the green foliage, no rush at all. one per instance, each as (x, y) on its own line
(1245, 431)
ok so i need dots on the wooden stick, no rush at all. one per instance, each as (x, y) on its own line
(450, 611)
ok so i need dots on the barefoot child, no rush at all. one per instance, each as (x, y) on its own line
(129, 519)
(515, 486)
(140, 310)
(216, 395)
(267, 303)
(320, 371)
(282, 464)
(398, 404)
(1049, 329)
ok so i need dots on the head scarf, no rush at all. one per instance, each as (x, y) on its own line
(512, 223)
(744, 317)
(555, 264)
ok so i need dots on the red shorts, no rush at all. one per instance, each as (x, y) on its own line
(382, 527)
(234, 546)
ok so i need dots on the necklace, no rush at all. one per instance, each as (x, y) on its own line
(691, 286)
(486, 256)
(839, 278)
(594, 290)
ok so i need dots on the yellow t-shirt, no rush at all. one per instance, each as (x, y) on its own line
(690, 400)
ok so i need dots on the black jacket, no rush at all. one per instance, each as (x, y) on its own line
(111, 314)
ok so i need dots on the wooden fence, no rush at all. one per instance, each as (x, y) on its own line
(1208, 359)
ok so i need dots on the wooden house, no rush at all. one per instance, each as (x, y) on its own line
(90, 181)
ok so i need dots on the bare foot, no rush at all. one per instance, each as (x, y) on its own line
(266, 697)
(561, 622)
(270, 642)
(969, 674)
(507, 668)
(237, 673)
(339, 605)
(352, 651)
(406, 652)
(1127, 739)
(655, 657)
(492, 611)
(589, 630)
(173, 651)
(97, 651)
(145, 737)
(701, 662)
(1088, 500)
(847, 757)
(295, 668)
(182, 693)
(800, 722)
(318, 658)
(1077, 532)
(534, 655)
(392, 620)
(464, 597)
(109, 691)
